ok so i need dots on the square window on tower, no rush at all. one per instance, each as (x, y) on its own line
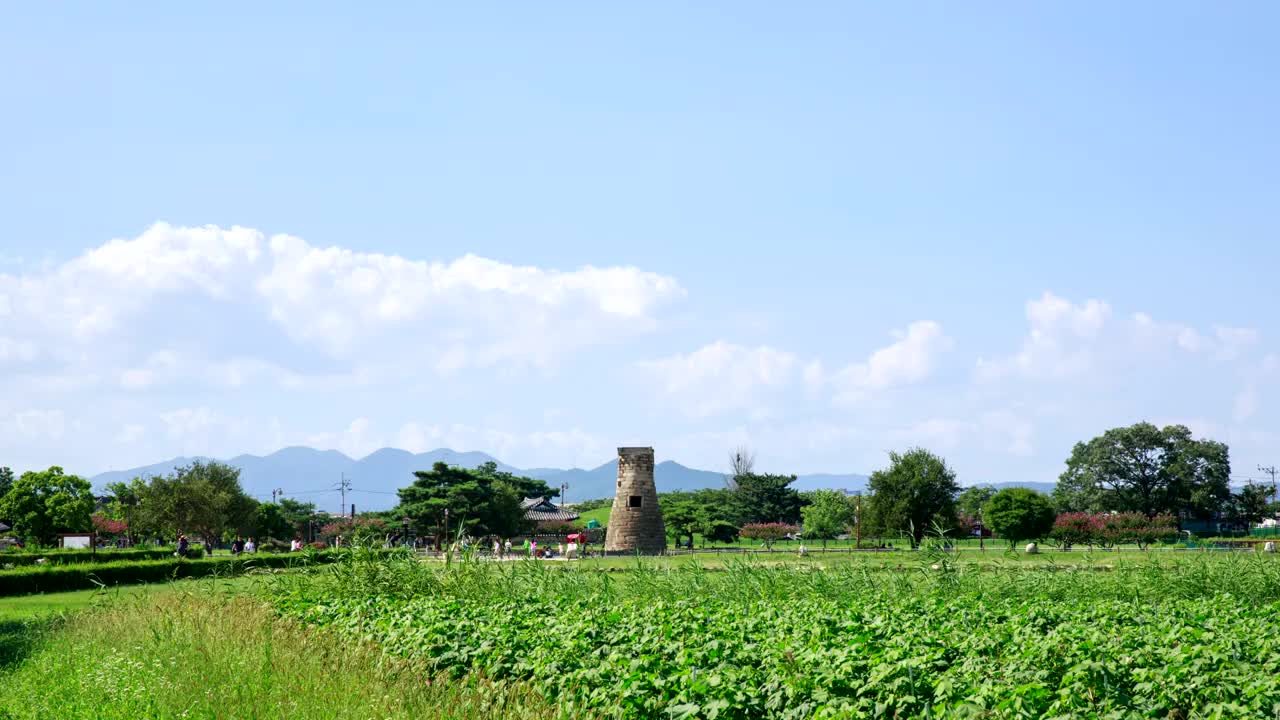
(634, 501)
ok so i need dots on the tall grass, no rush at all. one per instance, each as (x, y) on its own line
(1249, 578)
(207, 655)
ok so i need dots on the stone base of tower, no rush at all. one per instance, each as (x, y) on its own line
(635, 521)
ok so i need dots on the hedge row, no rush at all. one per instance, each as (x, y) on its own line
(77, 557)
(59, 578)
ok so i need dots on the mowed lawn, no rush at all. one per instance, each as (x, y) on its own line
(30, 607)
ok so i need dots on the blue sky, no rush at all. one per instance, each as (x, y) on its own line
(822, 231)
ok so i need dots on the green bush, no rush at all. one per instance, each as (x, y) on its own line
(76, 557)
(59, 578)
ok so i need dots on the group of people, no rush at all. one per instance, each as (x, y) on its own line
(502, 549)
(238, 546)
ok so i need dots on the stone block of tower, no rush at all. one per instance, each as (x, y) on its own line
(635, 522)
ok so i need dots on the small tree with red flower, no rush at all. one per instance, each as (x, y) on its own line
(767, 533)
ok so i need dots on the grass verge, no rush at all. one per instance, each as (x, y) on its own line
(217, 655)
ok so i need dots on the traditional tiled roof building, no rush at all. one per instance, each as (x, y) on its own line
(542, 511)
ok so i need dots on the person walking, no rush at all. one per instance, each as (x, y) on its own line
(183, 546)
(251, 547)
(507, 547)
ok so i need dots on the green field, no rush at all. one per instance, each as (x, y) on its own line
(965, 634)
(28, 607)
(600, 515)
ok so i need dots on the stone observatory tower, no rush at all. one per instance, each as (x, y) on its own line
(635, 522)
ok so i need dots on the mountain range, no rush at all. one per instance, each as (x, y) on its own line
(312, 475)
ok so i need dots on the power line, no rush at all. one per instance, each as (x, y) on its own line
(344, 485)
(1272, 472)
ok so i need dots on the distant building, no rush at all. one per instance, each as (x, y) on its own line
(541, 512)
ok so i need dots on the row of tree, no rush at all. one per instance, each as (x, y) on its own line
(202, 500)
(1141, 470)
(1161, 475)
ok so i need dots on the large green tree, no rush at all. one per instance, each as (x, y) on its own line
(1146, 469)
(525, 487)
(916, 491)
(203, 500)
(125, 504)
(973, 499)
(706, 512)
(40, 505)
(1018, 514)
(828, 514)
(270, 522)
(480, 502)
(6, 480)
(681, 515)
(1251, 504)
(763, 498)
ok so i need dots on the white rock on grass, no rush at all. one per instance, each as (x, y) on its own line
(1269, 547)
(1033, 549)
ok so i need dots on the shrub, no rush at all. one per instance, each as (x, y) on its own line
(1018, 514)
(1110, 529)
(59, 578)
(1076, 528)
(721, 531)
(767, 533)
(77, 557)
(273, 545)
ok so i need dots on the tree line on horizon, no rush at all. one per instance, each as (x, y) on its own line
(1164, 475)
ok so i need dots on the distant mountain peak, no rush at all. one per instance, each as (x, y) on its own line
(312, 475)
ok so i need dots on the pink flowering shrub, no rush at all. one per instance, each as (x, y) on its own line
(104, 525)
(767, 533)
(1111, 529)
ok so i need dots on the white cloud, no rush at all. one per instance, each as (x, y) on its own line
(336, 298)
(190, 422)
(721, 376)
(38, 425)
(1232, 341)
(158, 367)
(357, 441)
(1058, 343)
(16, 351)
(131, 433)
(1246, 404)
(542, 447)
(1000, 431)
(910, 359)
(1067, 340)
(96, 309)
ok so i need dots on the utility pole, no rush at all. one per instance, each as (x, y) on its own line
(564, 491)
(1272, 472)
(277, 493)
(857, 522)
(344, 485)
